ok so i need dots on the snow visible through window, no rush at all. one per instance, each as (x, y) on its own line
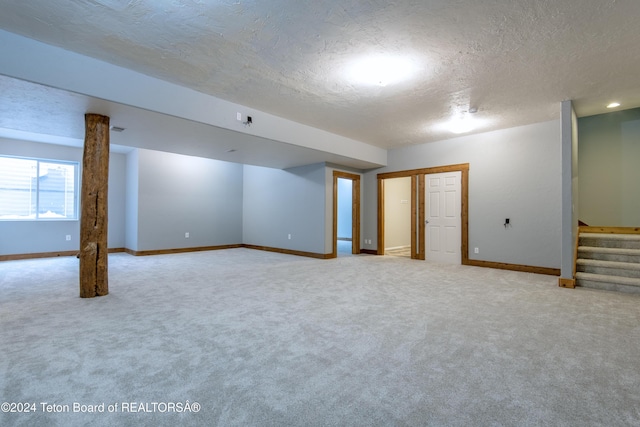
(32, 189)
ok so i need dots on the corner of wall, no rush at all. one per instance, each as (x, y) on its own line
(569, 213)
(131, 214)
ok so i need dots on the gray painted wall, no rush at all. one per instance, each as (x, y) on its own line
(569, 187)
(156, 197)
(117, 200)
(180, 194)
(282, 202)
(131, 197)
(22, 237)
(609, 154)
(514, 173)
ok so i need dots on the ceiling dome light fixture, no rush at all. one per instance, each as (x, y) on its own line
(381, 70)
(462, 123)
(613, 105)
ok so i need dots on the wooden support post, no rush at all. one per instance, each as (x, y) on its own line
(93, 219)
(567, 283)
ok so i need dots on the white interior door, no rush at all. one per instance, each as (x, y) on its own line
(443, 238)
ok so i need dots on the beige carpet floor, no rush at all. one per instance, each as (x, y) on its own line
(404, 252)
(264, 339)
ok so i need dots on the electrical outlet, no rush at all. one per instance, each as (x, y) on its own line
(68, 237)
(186, 235)
(239, 117)
(476, 250)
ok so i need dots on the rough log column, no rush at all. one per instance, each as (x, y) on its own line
(93, 219)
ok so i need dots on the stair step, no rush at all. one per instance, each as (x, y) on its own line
(629, 241)
(610, 283)
(609, 261)
(609, 264)
(609, 254)
(617, 251)
(610, 236)
(610, 268)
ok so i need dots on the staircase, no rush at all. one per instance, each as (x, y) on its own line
(608, 258)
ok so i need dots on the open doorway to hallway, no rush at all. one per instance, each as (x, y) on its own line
(346, 214)
(345, 217)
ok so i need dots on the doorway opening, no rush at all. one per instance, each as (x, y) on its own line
(346, 214)
(419, 209)
(397, 217)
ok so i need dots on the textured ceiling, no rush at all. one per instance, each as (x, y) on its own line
(40, 113)
(514, 60)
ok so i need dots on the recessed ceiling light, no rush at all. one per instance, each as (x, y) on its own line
(613, 105)
(381, 70)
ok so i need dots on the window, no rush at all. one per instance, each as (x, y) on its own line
(35, 189)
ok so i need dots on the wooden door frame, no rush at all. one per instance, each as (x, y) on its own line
(418, 202)
(355, 211)
(414, 212)
(415, 184)
(421, 217)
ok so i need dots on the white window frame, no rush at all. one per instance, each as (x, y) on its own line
(37, 216)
